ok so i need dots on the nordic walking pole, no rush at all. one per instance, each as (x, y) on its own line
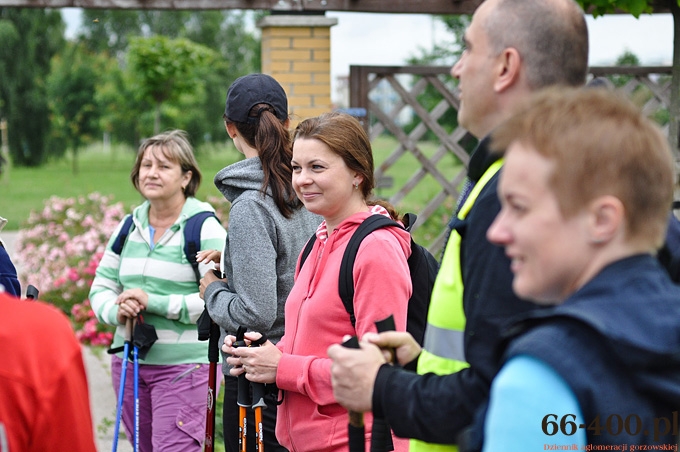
(242, 397)
(210, 331)
(213, 358)
(121, 389)
(135, 363)
(381, 435)
(356, 430)
(258, 403)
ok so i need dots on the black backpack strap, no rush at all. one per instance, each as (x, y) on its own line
(409, 221)
(192, 245)
(118, 244)
(346, 278)
(192, 238)
(306, 250)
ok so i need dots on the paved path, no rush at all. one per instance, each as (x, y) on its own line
(102, 399)
(102, 394)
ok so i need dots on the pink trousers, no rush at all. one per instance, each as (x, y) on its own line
(172, 405)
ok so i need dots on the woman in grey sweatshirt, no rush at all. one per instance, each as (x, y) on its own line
(268, 227)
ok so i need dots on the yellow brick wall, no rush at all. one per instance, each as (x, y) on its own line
(296, 52)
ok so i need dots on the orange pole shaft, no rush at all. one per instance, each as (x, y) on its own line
(242, 428)
(259, 433)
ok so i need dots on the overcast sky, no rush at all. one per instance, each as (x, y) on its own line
(363, 38)
(389, 39)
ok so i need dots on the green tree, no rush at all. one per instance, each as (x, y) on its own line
(449, 51)
(167, 69)
(166, 23)
(30, 37)
(230, 34)
(9, 36)
(71, 87)
(108, 31)
(637, 7)
(125, 114)
(118, 105)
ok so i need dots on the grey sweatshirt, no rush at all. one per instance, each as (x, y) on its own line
(260, 255)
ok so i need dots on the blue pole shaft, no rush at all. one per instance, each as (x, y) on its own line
(135, 355)
(121, 394)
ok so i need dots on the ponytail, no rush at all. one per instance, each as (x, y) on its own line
(273, 143)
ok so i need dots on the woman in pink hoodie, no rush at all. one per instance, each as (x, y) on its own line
(333, 176)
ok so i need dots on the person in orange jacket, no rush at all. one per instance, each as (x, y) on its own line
(44, 399)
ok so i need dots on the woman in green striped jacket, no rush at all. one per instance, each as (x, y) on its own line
(152, 280)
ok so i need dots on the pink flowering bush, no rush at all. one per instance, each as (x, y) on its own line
(58, 250)
(88, 328)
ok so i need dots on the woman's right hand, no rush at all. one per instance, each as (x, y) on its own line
(258, 363)
(128, 308)
(207, 279)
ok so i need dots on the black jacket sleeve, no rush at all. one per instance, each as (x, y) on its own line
(427, 407)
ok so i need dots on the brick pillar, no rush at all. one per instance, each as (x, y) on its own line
(296, 51)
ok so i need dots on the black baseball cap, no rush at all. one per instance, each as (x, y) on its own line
(253, 89)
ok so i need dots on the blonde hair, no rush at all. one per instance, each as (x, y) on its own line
(175, 146)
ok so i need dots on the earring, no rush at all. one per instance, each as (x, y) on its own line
(356, 185)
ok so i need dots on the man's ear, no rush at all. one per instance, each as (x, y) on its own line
(607, 218)
(508, 69)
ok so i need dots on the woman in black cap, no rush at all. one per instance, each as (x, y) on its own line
(268, 227)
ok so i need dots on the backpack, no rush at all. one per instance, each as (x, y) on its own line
(192, 237)
(422, 265)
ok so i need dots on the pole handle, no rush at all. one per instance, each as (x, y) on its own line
(32, 292)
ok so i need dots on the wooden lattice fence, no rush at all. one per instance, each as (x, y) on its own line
(389, 94)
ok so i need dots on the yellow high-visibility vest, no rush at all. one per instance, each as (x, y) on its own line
(443, 351)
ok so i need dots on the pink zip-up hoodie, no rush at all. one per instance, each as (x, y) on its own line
(310, 419)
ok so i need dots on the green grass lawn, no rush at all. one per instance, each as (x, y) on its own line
(27, 189)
